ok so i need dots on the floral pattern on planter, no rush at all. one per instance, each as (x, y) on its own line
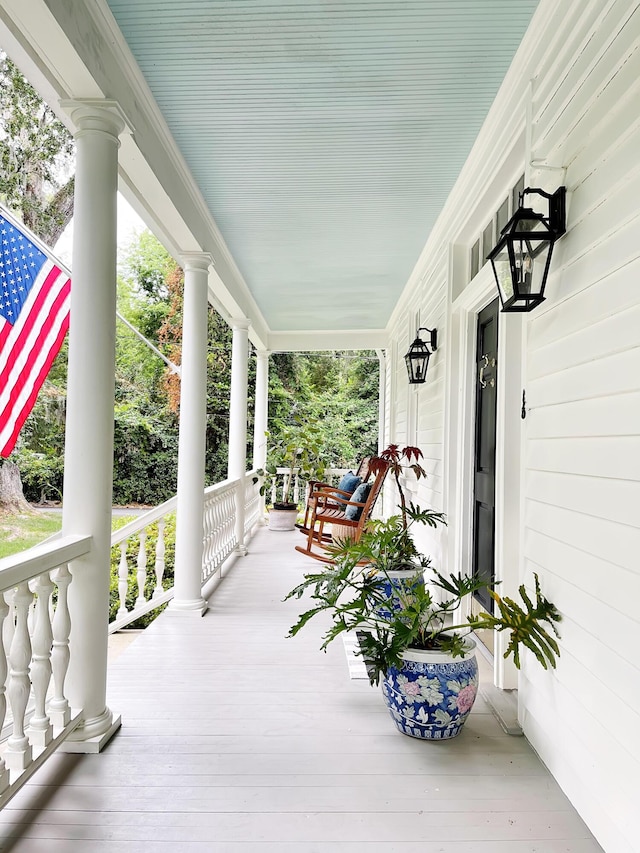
(396, 589)
(431, 700)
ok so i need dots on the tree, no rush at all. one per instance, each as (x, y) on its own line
(340, 389)
(36, 182)
(36, 155)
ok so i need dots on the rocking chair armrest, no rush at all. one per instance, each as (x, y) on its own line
(315, 487)
(336, 503)
(333, 496)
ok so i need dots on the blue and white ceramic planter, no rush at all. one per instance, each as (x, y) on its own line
(397, 589)
(431, 695)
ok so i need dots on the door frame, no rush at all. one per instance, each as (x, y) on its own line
(460, 437)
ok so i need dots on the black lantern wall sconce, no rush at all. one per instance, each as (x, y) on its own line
(418, 355)
(522, 255)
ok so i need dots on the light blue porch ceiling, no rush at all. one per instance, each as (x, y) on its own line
(325, 135)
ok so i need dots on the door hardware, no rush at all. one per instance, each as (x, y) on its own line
(483, 367)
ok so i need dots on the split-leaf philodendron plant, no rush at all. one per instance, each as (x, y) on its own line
(423, 616)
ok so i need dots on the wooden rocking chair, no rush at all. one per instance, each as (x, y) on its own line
(347, 517)
(315, 487)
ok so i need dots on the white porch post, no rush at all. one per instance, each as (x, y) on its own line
(261, 414)
(192, 441)
(261, 409)
(238, 420)
(382, 399)
(88, 466)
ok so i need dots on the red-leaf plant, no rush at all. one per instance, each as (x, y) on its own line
(400, 460)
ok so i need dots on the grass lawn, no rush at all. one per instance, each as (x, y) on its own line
(19, 532)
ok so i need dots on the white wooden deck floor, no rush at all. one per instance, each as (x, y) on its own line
(238, 740)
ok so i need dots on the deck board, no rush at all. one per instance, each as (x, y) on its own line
(236, 739)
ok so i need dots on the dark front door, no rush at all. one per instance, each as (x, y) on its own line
(485, 451)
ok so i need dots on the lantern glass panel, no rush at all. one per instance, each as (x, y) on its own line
(529, 260)
(502, 269)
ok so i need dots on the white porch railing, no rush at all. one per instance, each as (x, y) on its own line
(34, 657)
(141, 573)
(219, 526)
(331, 476)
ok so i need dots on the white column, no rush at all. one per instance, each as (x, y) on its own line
(88, 466)
(260, 420)
(238, 420)
(382, 399)
(261, 409)
(192, 441)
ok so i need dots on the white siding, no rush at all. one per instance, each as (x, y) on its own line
(580, 457)
(582, 462)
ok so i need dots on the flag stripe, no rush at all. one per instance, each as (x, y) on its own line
(32, 308)
(21, 343)
(5, 331)
(31, 358)
(37, 384)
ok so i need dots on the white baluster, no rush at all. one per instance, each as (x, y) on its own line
(40, 728)
(123, 578)
(8, 627)
(4, 669)
(142, 568)
(160, 551)
(31, 617)
(58, 706)
(18, 754)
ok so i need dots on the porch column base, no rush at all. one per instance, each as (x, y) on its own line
(241, 551)
(86, 738)
(186, 606)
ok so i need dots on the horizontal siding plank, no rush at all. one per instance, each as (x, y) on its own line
(612, 171)
(615, 500)
(578, 99)
(614, 374)
(616, 250)
(616, 543)
(618, 209)
(600, 633)
(585, 571)
(615, 457)
(605, 138)
(610, 416)
(599, 336)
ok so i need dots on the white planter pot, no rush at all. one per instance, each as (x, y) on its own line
(282, 519)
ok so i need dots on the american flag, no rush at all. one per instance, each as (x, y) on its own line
(34, 318)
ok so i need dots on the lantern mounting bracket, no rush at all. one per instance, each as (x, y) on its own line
(433, 343)
(556, 220)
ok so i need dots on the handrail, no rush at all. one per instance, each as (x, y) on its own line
(149, 517)
(26, 565)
